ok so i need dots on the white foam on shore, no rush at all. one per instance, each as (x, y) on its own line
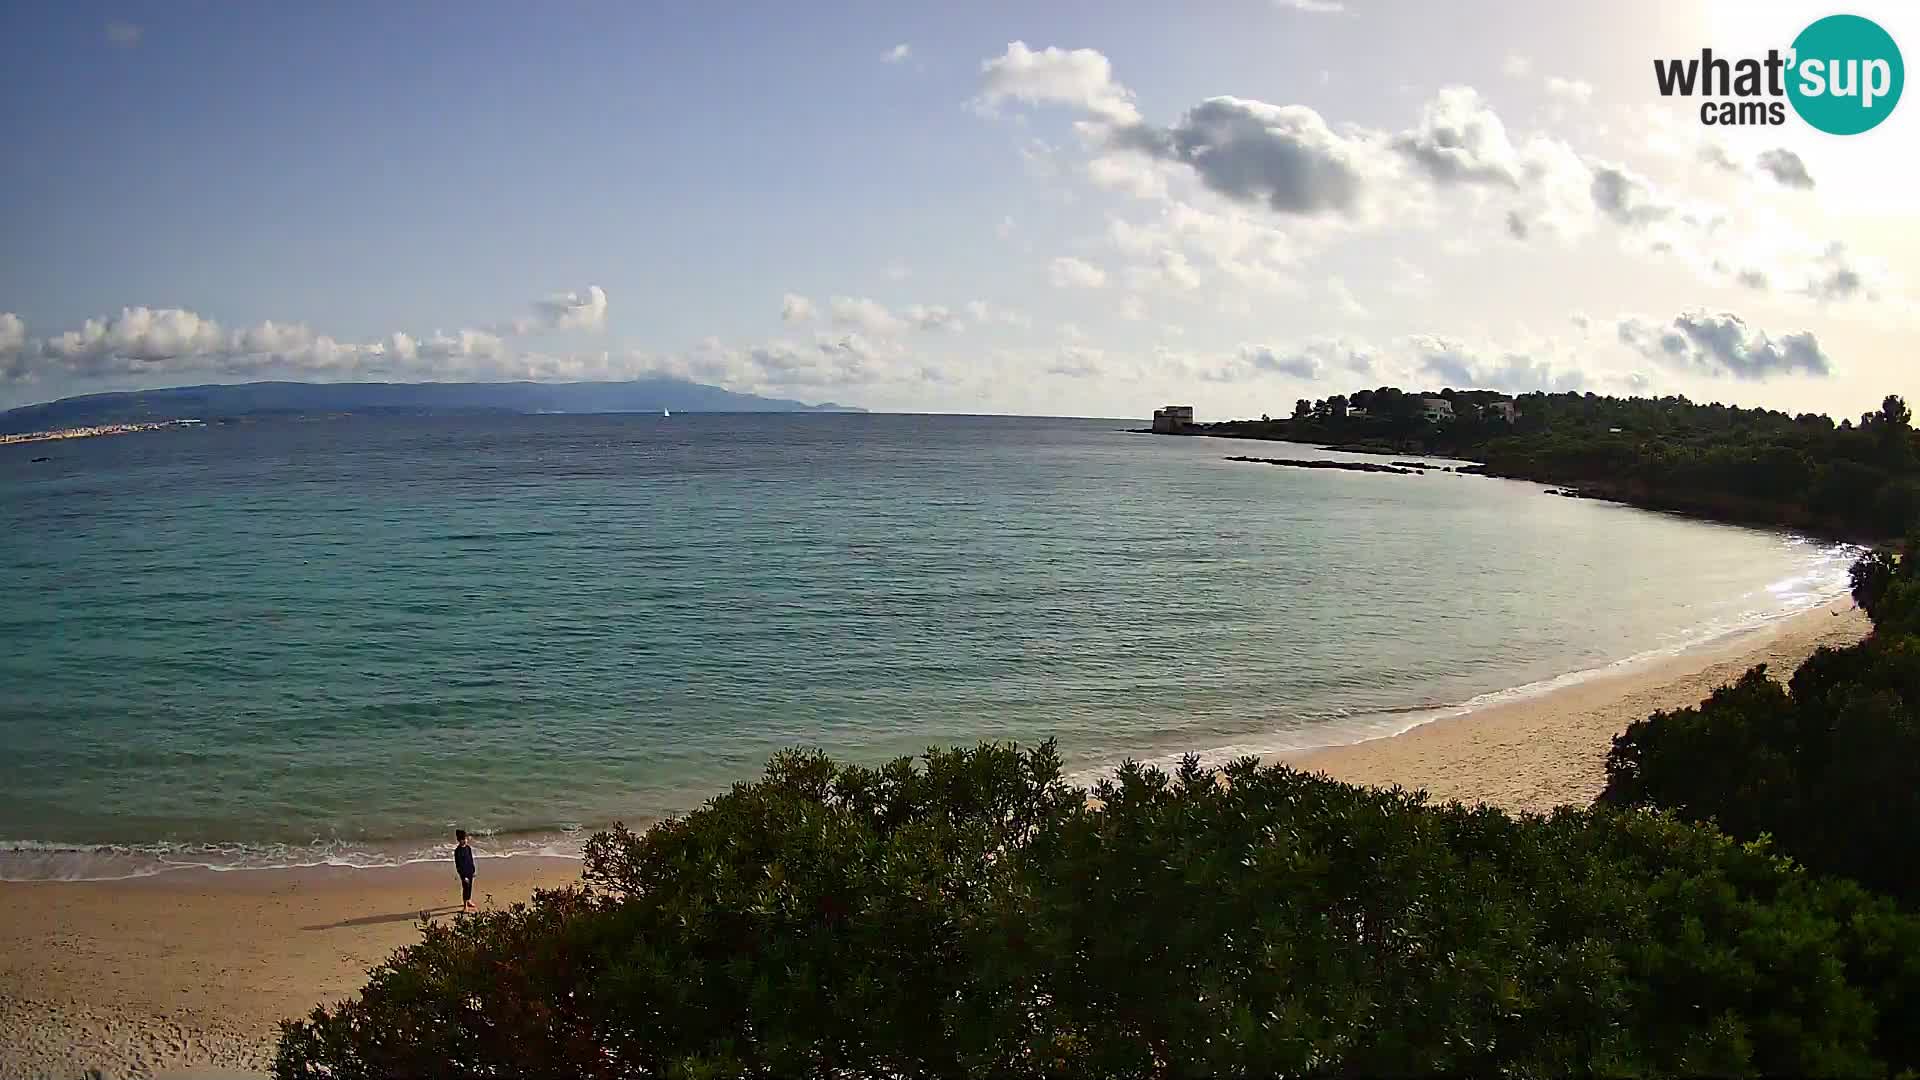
(1820, 581)
(38, 860)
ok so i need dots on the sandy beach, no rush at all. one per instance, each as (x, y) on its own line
(186, 974)
(1534, 754)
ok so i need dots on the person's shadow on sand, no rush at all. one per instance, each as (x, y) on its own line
(376, 920)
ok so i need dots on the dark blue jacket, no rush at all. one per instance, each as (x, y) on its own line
(463, 860)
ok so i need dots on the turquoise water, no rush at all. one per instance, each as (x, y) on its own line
(291, 642)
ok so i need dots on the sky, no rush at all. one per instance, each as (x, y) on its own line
(1063, 209)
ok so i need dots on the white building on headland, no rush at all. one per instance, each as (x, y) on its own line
(1173, 419)
(1436, 409)
(1501, 409)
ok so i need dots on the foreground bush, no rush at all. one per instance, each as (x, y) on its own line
(1828, 766)
(975, 917)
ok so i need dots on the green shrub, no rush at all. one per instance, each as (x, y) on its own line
(1828, 766)
(975, 917)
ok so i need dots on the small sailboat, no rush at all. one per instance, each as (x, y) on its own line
(664, 413)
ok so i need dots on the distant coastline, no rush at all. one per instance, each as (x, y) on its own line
(92, 431)
(219, 402)
(1857, 482)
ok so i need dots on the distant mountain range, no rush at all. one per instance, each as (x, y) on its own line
(223, 402)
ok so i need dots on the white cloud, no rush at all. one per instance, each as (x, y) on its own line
(1516, 66)
(575, 311)
(1577, 91)
(897, 55)
(1132, 308)
(1169, 270)
(932, 317)
(1067, 272)
(1077, 362)
(1135, 176)
(1460, 139)
(984, 313)
(13, 346)
(897, 271)
(864, 314)
(796, 308)
(123, 35)
(1309, 360)
(1701, 343)
(1082, 78)
(1343, 299)
(1408, 280)
(1313, 7)
(1468, 367)
(1785, 167)
(1282, 156)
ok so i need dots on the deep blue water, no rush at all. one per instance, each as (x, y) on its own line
(285, 641)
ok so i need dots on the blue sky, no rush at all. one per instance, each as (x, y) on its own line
(777, 198)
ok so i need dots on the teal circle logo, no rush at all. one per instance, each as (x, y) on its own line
(1846, 75)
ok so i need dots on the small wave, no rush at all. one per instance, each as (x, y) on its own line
(40, 860)
(1822, 580)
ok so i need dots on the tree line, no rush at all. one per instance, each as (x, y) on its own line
(1755, 465)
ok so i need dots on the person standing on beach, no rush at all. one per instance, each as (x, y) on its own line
(463, 862)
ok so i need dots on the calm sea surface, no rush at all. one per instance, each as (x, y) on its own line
(291, 642)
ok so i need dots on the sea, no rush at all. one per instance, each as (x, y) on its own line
(331, 641)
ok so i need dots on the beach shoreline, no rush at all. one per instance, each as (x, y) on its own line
(193, 968)
(1532, 753)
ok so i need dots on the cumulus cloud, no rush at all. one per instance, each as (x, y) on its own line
(1343, 299)
(137, 336)
(984, 313)
(899, 54)
(1168, 271)
(1135, 176)
(1781, 165)
(1264, 359)
(144, 341)
(860, 313)
(123, 35)
(1702, 343)
(1458, 163)
(1080, 78)
(932, 317)
(1717, 155)
(1077, 362)
(1835, 277)
(575, 311)
(1576, 91)
(13, 346)
(1310, 360)
(1465, 366)
(1627, 198)
(1461, 139)
(1067, 272)
(159, 341)
(1785, 167)
(796, 308)
(1284, 157)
